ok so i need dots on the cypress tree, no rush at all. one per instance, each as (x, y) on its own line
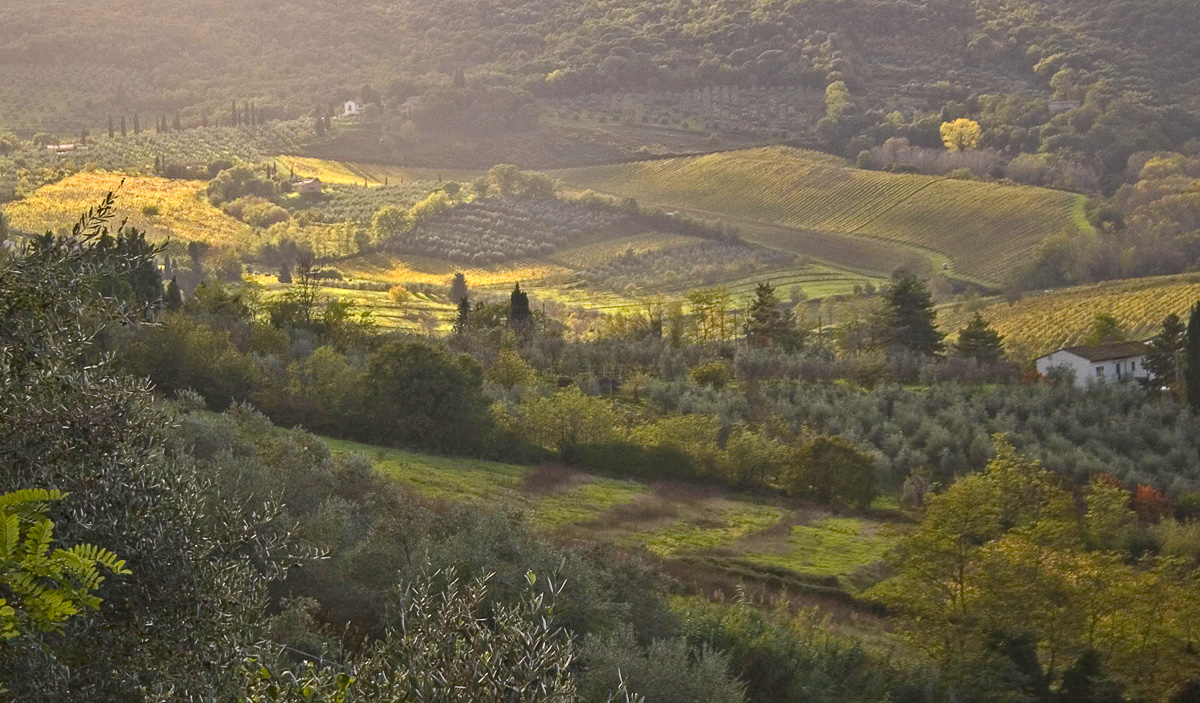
(980, 342)
(112, 132)
(174, 296)
(1191, 360)
(137, 127)
(178, 122)
(234, 122)
(204, 120)
(458, 287)
(908, 316)
(462, 322)
(519, 313)
(122, 125)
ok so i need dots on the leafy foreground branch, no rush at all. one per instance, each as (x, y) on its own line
(450, 645)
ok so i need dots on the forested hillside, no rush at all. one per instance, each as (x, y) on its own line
(1131, 64)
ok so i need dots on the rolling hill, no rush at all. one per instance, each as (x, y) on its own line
(981, 229)
(1040, 324)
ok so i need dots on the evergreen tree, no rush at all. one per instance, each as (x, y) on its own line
(178, 126)
(519, 313)
(234, 121)
(204, 120)
(1191, 360)
(458, 287)
(174, 296)
(1166, 351)
(122, 125)
(908, 317)
(462, 322)
(137, 127)
(112, 132)
(980, 342)
(771, 323)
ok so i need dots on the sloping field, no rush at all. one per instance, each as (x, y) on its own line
(1040, 324)
(984, 228)
(352, 173)
(182, 212)
(717, 530)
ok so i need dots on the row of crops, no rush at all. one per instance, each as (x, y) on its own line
(1041, 324)
(349, 203)
(695, 265)
(497, 230)
(984, 227)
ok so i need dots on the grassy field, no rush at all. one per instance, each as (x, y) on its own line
(981, 229)
(1040, 324)
(163, 208)
(722, 531)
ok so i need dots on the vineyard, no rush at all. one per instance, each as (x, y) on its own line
(679, 268)
(351, 203)
(163, 208)
(498, 230)
(984, 228)
(1041, 324)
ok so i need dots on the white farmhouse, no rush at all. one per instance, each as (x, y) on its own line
(353, 108)
(1119, 362)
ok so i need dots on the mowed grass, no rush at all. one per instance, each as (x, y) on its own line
(1040, 324)
(355, 173)
(183, 213)
(670, 521)
(984, 228)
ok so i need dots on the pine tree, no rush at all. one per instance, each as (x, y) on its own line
(519, 313)
(770, 322)
(462, 322)
(1191, 360)
(174, 296)
(980, 342)
(1166, 350)
(909, 319)
(458, 287)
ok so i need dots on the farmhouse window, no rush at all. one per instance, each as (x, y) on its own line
(1099, 370)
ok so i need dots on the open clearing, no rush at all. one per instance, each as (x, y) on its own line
(717, 530)
(1040, 324)
(983, 228)
(161, 207)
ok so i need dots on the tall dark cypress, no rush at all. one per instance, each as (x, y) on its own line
(519, 313)
(233, 120)
(112, 132)
(137, 127)
(1191, 360)
(122, 125)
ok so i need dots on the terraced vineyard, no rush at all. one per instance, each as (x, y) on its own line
(1041, 324)
(984, 228)
(163, 208)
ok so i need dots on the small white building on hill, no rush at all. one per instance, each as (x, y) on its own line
(352, 108)
(1107, 363)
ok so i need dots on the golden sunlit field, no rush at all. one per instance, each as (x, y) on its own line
(163, 208)
(352, 173)
(1040, 324)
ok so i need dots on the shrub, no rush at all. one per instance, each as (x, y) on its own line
(831, 469)
(714, 374)
(150, 210)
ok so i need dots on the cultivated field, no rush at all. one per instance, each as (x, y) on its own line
(352, 173)
(182, 213)
(1040, 324)
(801, 547)
(983, 228)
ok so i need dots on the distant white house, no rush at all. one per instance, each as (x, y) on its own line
(353, 108)
(1107, 363)
(308, 185)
